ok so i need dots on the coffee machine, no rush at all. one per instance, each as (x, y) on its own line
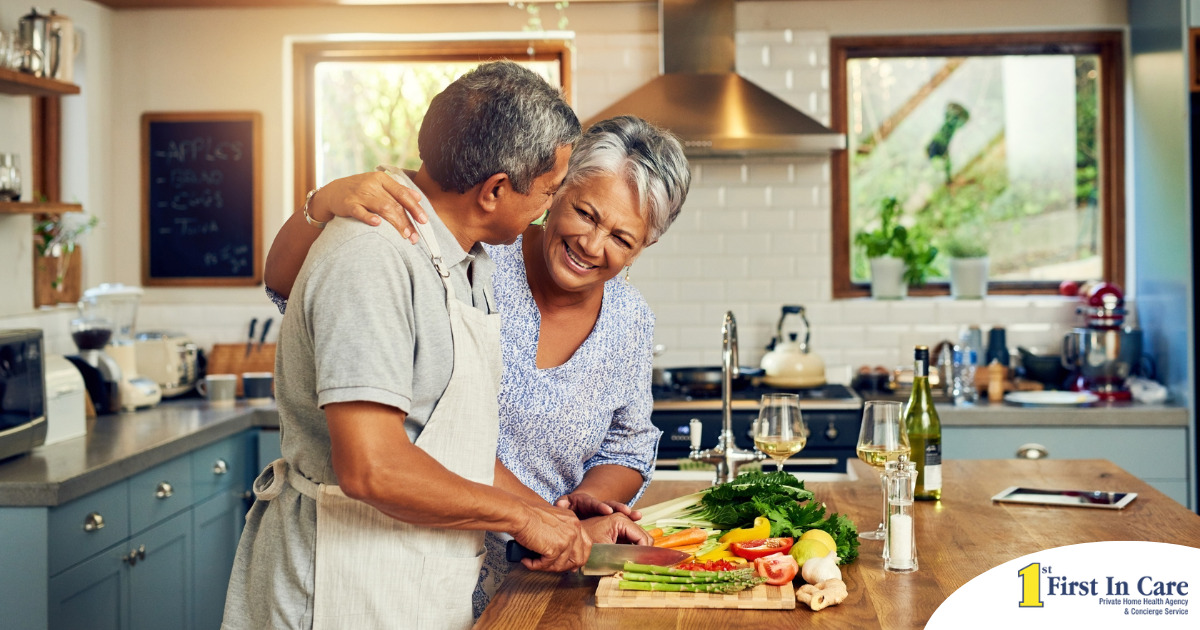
(1103, 352)
(112, 309)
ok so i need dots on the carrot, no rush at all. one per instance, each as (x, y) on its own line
(657, 532)
(686, 537)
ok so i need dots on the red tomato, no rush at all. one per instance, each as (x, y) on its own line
(779, 569)
(1068, 288)
(759, 547)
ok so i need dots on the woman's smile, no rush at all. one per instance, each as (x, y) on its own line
(575, 260)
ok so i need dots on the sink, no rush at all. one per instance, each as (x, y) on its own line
(674, 474)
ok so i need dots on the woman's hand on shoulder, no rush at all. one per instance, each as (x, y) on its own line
(616, 528)
(586, 505)
(371, 198)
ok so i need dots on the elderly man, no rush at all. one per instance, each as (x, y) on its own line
(387, 374)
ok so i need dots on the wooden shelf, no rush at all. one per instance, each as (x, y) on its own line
(13, 82)
(45, 207)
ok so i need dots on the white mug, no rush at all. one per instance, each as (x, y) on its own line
(219, 389)
(256, 387)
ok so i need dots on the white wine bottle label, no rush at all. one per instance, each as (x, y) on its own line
(933, 477)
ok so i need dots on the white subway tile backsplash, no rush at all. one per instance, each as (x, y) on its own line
(703, 197)
(772, 267)
(781, 36)
(746, 244)
(770, 221)
(796, 197)
(724, 221)
(770, 79)
(752, 197)
(794, 291)
(752, 290)
(715, 173)
(768, 173)
(724, 267)
(701, 291)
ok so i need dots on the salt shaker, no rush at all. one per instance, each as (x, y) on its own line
(900, 541)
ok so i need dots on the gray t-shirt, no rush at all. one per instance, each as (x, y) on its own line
(366, 321)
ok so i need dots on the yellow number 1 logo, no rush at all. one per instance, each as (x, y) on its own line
(1031, 586)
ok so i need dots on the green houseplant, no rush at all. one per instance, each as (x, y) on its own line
(899, 257)
(968, 253)
(55, 238)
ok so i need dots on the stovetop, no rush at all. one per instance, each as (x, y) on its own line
(828, 396)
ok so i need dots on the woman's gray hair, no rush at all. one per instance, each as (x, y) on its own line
(498, 118)
(649, 158)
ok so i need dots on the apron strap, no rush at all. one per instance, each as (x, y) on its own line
(425, 231)
(271, 481)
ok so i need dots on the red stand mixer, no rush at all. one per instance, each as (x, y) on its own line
(1102, 354)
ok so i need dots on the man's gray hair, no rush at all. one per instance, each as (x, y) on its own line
(498, 118)
(649, 158)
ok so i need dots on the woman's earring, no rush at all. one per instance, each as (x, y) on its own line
(627, 272)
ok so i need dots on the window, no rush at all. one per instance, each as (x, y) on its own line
(1009, 143)
(360, 104)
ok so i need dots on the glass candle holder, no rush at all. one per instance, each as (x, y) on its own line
(900, 542)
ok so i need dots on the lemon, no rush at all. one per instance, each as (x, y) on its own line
(821, 535)
(761, 529)
(806, 549)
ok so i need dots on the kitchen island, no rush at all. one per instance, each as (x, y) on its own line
(958, 539)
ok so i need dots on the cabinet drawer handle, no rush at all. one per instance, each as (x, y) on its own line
(220, 467)
(130, 559)
(164, 490)
(141, 552)
(831, 432)
(93, 522)
(1032, 451)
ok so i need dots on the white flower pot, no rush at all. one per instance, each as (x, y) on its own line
(968, 278)
(887, 278)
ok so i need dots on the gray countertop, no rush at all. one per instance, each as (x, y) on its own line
(119, 446)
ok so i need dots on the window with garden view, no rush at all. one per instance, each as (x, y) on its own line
(360, 104)
(1009, 146)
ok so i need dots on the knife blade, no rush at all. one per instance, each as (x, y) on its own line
(266, 329)
(607, 559)
(250, 339)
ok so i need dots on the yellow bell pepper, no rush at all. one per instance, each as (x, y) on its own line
(716, 553)
(761, 529)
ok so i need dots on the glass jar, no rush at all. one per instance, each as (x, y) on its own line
(10, 177)
(900, 541)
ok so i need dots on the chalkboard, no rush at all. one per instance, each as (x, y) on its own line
(201, 198)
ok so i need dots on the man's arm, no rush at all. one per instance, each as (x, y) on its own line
(376, 463)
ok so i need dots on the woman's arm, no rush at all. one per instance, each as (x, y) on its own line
(366, 197)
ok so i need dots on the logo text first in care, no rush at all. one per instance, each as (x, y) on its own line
(1147, 586)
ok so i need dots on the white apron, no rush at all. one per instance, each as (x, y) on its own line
(373, 571)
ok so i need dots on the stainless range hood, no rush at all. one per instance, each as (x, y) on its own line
(702, 100)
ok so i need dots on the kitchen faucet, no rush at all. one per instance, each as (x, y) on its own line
(726, 456)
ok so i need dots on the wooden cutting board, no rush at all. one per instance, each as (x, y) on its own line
(608, 595)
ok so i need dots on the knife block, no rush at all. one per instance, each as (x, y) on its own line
(231, 358)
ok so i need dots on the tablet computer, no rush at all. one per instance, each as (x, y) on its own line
(1070, 498)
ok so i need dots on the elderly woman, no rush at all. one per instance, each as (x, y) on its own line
(576, 339)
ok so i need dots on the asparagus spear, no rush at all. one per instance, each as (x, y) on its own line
(679, 579)
(720, 588)
(633, 567)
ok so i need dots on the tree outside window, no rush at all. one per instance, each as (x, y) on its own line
(1005, 145)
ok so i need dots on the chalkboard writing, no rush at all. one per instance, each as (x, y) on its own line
(201, 222)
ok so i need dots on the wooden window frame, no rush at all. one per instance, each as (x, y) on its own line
(306, 56)
(1108, 45)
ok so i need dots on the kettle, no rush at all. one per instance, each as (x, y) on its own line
(788, 362)
(31, 30)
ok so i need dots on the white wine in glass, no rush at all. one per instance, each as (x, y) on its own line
(779, 430)
(881, 439)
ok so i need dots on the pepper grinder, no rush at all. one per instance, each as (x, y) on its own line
(900, 541)
(10, 178)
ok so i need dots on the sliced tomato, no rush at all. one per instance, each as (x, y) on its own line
(759, 547)
(779, 569)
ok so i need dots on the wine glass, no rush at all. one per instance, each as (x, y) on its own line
(882, 438)
(779, 430)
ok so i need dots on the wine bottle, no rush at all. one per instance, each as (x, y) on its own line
(924, 430)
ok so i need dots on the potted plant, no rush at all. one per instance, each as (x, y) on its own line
(968, 254)
(898, 256)
(55, 240)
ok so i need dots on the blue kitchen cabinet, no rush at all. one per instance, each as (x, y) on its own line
(148, 552)
(217, 524)
(1156, 455)
(143, 583)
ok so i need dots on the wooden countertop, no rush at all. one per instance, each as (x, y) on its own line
(958, 539)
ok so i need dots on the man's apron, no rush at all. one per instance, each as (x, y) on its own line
(373, 571)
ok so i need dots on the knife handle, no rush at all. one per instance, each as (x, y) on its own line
(515, 552)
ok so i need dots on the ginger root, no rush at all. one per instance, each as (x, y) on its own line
(823, 594)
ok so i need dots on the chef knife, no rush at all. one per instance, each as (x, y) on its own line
(250, 339)
(266, 329)
(607, 559)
